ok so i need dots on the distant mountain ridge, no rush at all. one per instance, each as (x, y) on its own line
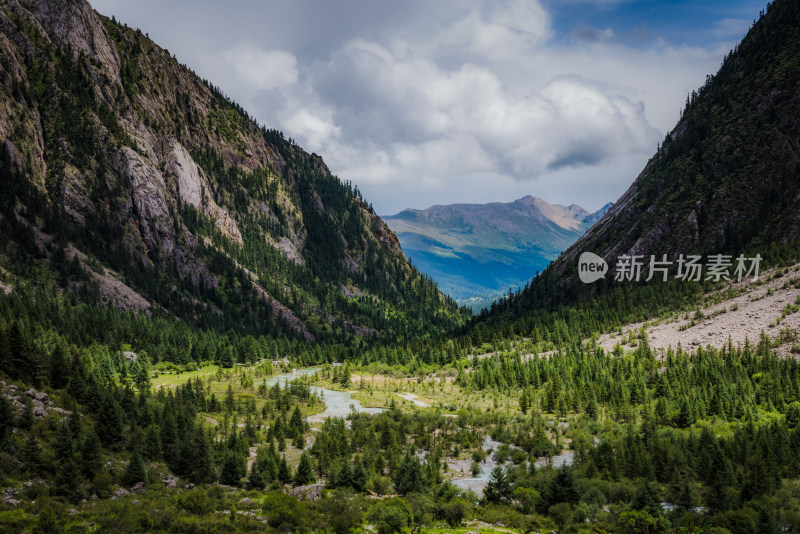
(475, 251)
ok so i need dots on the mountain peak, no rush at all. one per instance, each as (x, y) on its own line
(479, 250)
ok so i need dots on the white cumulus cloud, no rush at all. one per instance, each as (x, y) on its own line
(429, 102)
(262, 69)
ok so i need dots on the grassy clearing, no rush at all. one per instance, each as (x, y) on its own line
(171, 380)
(380, 391)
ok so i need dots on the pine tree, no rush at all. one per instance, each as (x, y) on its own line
(32, 455)
(684, 418)
(523, 402)
(68, 475)
(767, 522)
(152, 443)
(305, 472)
(498, 490)
(59, 366)
(360, 476)
(91, 455)
(409, 477)
(234, 467)
(26, 418)
(199, 467)
(563, 487)
(296, 425)
(687, 498)
(19, 352)
(48, 522)
(136, 471)
(110, 420)
(7, 419)
(284, 474)
(229, 400)
(645, 498)
(225, 355)
(344, 376)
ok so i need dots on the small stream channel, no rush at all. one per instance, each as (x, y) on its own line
(340, 404)
(337, 403)
(477, 483)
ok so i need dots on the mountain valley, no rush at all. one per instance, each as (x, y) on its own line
(203, 330)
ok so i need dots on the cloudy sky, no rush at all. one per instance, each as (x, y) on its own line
(421, 102)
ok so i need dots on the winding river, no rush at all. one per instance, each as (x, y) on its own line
(341, 403)
(337, 403)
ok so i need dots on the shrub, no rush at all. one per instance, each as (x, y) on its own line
(196, 501)
(390, 516)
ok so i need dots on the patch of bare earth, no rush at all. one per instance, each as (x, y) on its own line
(415, 399)
(756, 308)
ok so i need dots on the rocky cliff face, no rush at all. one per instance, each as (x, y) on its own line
(141, 160)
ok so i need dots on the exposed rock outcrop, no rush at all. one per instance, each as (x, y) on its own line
(40, 401)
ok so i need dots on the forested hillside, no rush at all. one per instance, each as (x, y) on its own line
(119, 156)
(725, 180)
(202, 330)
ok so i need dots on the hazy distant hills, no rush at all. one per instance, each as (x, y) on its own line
(479, 251)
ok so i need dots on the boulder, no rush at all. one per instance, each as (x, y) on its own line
(311, 492)
(120, 493)
(10, 500)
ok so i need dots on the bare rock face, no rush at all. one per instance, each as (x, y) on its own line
(192, 186)
(290, 248)
(76, 24)
(227, 224)
(75, 196)
(147, 185)
(148, 199)
(194, 189)
(121, 492)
